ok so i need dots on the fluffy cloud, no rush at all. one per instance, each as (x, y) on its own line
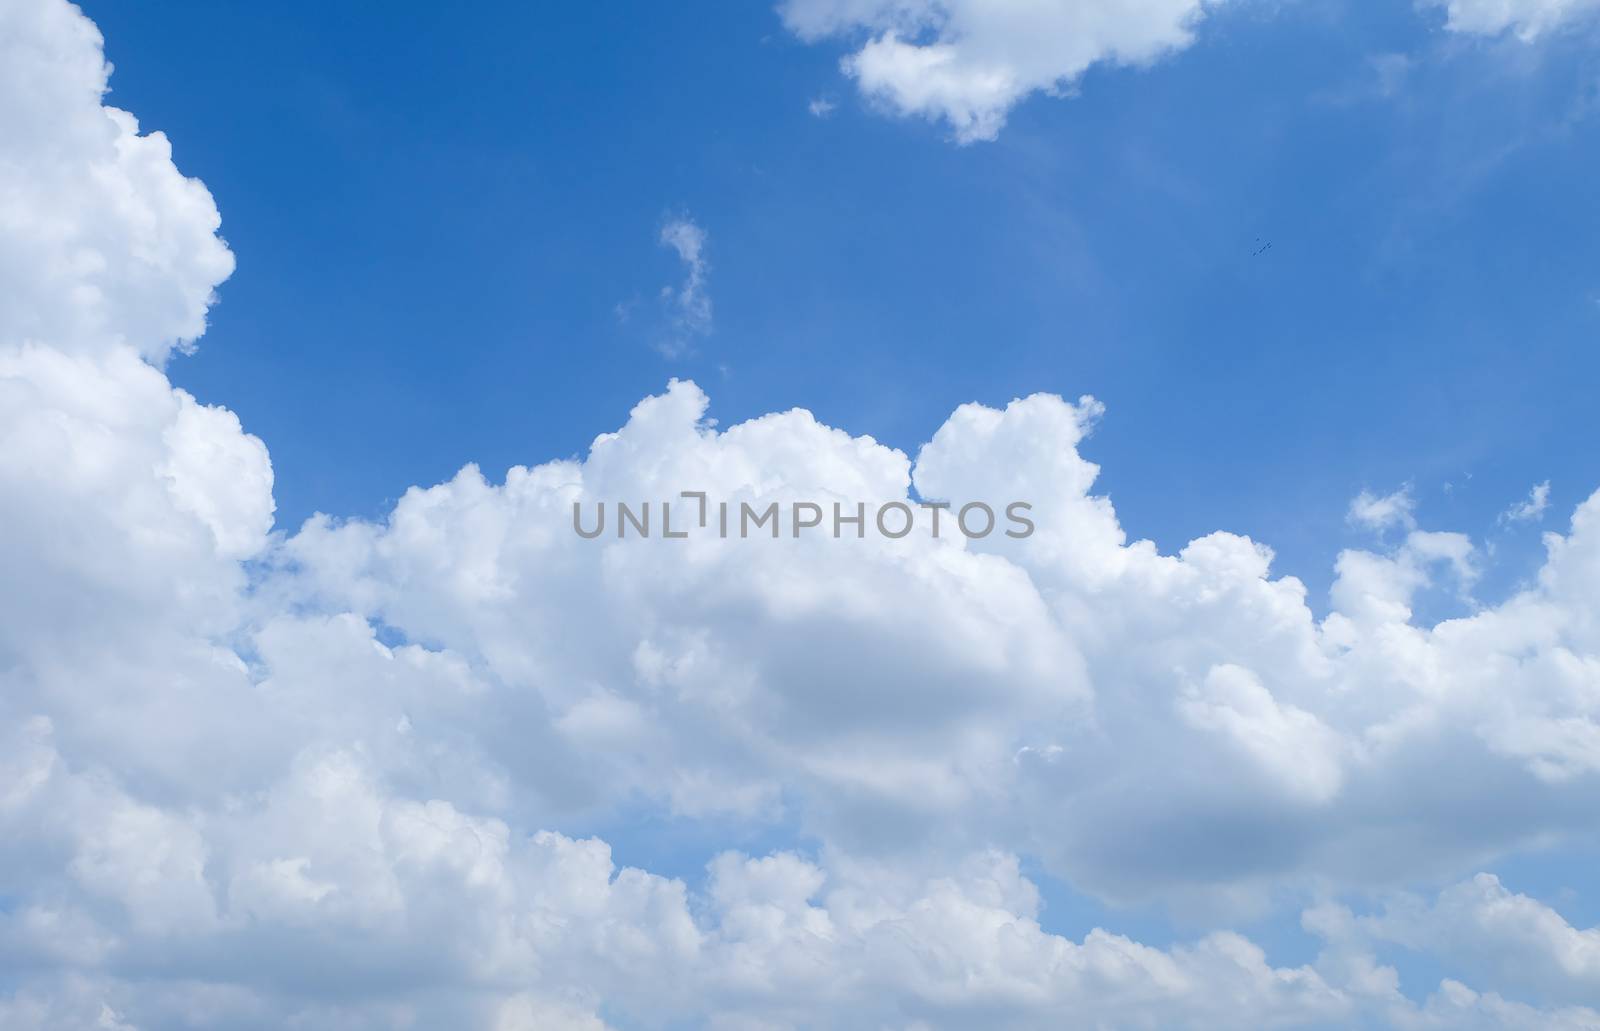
(1500, 937)
(340, 777)
(968, 62)
(109, 243)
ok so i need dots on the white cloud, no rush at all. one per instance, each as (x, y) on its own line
(1507, 940)
(108, 242)
(1288, 744)
(223, 802)
(1385, 511)
(1532, 509)
(1526, 19)
(689, 304)
(820, 107)
(968, 62)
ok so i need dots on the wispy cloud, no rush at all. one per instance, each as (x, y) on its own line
(1530, 509)
(1525, 19)
(689, 303)
(1380, 512)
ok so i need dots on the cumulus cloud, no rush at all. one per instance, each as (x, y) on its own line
(226, 799)
(101, 234)
(1501, 938)
(968, 62)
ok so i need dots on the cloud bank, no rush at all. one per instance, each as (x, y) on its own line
(336, 776)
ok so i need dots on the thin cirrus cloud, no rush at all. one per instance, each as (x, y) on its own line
(225, 802)
(688, 304)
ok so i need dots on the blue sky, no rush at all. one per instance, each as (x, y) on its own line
(436, 231)
(1332, 269)
(436, 218)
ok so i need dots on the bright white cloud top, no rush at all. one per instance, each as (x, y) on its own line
(224, 803)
